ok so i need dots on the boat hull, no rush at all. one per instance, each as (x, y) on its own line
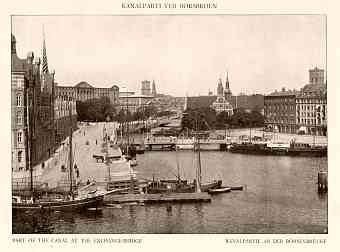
(211, 185)
(69, 205)
(173, 186)
(209, 147)
(184, 146)
(219, 190)
(259, 149)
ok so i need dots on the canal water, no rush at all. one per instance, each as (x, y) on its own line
(280, 197)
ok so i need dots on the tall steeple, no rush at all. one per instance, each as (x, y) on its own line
(44, 61)
(227, 91)
(227, 82)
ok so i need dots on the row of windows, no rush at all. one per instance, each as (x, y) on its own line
(280, 100)
(310, 107)
(276, 120)
(308, 121)
(280, 107)
(310, 101)
(309, 114)
(271, 114)
(18, 82)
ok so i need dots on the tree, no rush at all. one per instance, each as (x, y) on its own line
(96, 109)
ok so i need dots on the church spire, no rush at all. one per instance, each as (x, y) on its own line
(227, 82)
(44, 61)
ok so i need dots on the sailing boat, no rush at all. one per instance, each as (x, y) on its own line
(182, 186)
(203, 187)
(71, 202)
(171, 185)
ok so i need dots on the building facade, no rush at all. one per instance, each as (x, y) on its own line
(280, 111)
(311, 105)
(224, 98)
(32, 111)
(65, 112)
(145, 88)
(303, 111)
(84, 91)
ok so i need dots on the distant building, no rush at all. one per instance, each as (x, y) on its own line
(154, 92)
(203, 101)
(65, 104)
(280, 110)
(311, 105)
(84, 91)
(303, 111)
(223, 100)
(134, 103)
(254, 102)
(145, 89)
(127, 93)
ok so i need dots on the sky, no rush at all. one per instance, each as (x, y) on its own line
(184, 54)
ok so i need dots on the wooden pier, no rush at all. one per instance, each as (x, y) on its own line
(157, 198)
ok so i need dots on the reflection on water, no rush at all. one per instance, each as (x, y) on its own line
(281, 197)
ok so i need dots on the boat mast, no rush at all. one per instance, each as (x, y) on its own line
(178, 175)
(198, 171)
(127, 124)
(70, 154)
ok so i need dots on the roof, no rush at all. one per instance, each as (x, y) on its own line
(135, 96)
(200, 101)
(83, 84)
(284, 93)
(254, 101)
(18, 65)
(314, 88)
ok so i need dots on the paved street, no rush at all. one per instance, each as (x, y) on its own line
(87, 141)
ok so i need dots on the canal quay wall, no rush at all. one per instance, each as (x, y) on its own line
(88, 140)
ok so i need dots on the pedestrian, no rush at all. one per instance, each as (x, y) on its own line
(96, 141)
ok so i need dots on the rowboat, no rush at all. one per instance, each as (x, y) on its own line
(219, 190)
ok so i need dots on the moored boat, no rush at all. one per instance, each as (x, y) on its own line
(219, 190)
(66, 204)
(205, 187)
(279, 149)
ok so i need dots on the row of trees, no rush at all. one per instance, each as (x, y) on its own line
(207, 118)
(96, 110)
(102, 109)
(139, 115)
